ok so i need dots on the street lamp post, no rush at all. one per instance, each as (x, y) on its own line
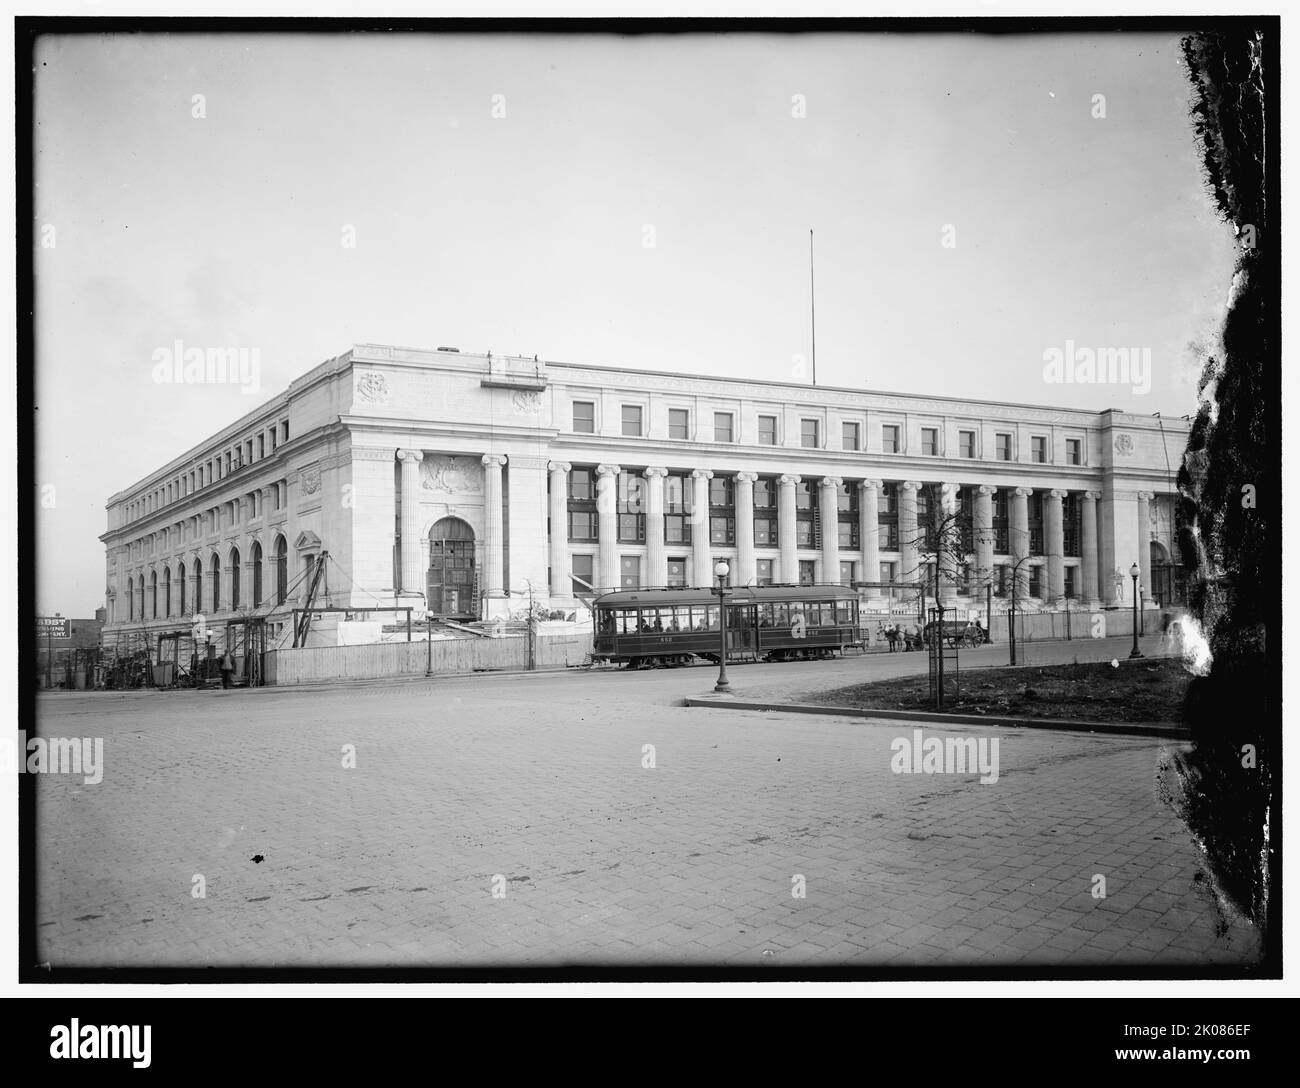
(1134, 571)
(721, 570)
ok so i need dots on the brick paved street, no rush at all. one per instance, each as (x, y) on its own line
(538, 780)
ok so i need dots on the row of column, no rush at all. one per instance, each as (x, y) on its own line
(868, 513)
(745, 570)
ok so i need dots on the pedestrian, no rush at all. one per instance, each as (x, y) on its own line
(227, 668)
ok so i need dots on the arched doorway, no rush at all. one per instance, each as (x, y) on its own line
(1167, 582)
(452, 584)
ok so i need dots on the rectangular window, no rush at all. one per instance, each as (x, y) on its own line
(677, 570)
(679, 423)
(1069, 582)
(584, 417)
(629, 570)
(631, 421)
(764, 575)
(1004, 447)
(889, 437)
(767, 430)
(1073, 451)
(722, 427)
(808, 434)
(583, 522)
(966, 442)
(1035, 581)
(631, 509)
(807, 572)
(261, 446)
(584, 580)
(888, 538)
(284, 431)
(1039, 449)
(275, 439)
(677, 529)
(886, 572)
(765, 531)
(582, 525)
(582, 485)
(929, 441)
(677, 495)
(846, 572)
(850, 439)
(722, 530)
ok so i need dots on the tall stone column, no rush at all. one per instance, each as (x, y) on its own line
(1053, 516)
(869, 533)
(787, 535)
(561, 577)
(412, 576)
(828, 506)
(526, 515)
(1020, 538)
(607, 516)
(746, 573)
(701, 562)
(655, 548)
(950, 547)
(1089, 559)
(909, 569)
(493, 549)
(1144, 546)
(983, 533)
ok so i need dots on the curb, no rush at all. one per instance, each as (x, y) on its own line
(1167, 730)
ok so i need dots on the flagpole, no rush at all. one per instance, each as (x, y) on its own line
(812, 292)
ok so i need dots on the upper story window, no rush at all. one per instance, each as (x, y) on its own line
(929, 441)
(767, 430)
(584, 417)
(583, 520)
(723, 430)
(966, 443)
(850, 436)
(679, 423)
(284, 431)
(1039, 446)
(631, 421)
(1003, 442)
(889, 437)
(1073, 451)
(809, 434)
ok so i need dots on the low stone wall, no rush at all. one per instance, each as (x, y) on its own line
(326, 663)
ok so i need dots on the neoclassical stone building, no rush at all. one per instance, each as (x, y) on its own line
(462, 482)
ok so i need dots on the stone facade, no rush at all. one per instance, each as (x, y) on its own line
(465, 483)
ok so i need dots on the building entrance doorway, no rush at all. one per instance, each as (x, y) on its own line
(452, 580)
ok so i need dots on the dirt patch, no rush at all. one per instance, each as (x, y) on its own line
(1141, 690)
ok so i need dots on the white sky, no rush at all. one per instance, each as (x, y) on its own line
(524, 234)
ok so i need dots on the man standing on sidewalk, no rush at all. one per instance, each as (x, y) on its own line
(227, 668)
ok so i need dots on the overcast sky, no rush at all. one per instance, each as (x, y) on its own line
(525, 233)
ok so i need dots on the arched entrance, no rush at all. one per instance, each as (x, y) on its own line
(1167, 581)
(452, 584)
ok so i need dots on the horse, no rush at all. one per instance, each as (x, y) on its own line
(911, 637)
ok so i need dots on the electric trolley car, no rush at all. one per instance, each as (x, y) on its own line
(657, 628)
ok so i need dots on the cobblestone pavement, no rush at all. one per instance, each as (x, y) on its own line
(535, 788)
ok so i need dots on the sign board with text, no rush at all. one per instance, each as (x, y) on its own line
(52, 626)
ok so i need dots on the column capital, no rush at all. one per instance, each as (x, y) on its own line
(832, 481)
(789, 480)
(1091, 496)
(654, 472)
(608, 470)
(746, 477)
(413, 457)
(910, 485)
(494, 459)
(701, 474)
(559, 466)
(1057, 494)
(1022, 492)
(870, 485)
(1146, 496)
(986, 489)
